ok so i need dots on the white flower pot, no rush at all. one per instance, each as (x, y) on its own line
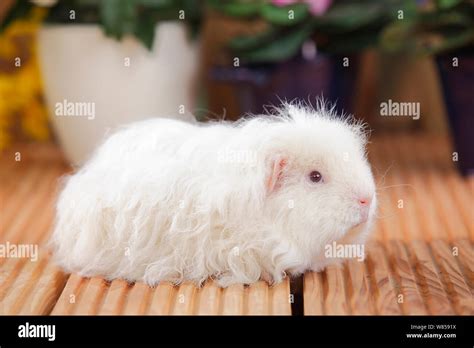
(81, 65)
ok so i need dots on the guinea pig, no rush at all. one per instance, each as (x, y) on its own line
(260, 198)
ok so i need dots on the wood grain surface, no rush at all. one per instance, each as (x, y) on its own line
(419, 259)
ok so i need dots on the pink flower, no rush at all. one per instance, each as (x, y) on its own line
(316, 7)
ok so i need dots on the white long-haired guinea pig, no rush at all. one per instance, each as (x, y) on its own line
(164, 200)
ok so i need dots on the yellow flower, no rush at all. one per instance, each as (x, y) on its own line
(20, 87)
(34, 121)
(5, 124)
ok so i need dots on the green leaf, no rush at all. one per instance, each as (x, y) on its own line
(340, 45)
(194, 9)
(281, 15)
(429, 35)
(157, 4)
(448, 3)
(349, 16)
(283, 48)
(145, 31)
(248, 42)
(82, 3)
(118, 17)
(239, 8)
(397, 36)
(453, 42)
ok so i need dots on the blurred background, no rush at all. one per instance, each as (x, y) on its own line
(70, 71)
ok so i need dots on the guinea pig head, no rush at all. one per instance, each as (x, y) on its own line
(319, 183)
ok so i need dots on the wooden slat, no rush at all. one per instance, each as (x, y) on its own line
(412, 301)
(463, 199)
(361, 295)
(209, 299)
(313, 294)
(336, 301)
(163, 297)
(386, 292)
(433, 291)
(184, 301)
(114, 298)
(465, 258)
(26, 218)
(69, 296)
(457, 289)
(17, 194)
(46, 292)
(233, 300)
(258, 299)
(22, 286)
(446, 207)
(15, 278)
(280, 303)
(426, 214)
(89, 301)
(138, 300)
(21, 277)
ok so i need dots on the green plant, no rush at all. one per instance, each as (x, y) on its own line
(349, 26)
(117, 17)
(436, 27)
(346, 27)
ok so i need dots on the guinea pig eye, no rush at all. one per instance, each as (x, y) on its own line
(315, 176)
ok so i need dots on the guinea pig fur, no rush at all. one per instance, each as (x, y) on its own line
(165, 200)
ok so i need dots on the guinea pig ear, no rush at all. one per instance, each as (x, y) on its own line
(277, 165)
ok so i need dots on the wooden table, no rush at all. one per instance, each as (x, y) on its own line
(420, 258)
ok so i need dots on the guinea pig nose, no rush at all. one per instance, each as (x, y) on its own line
(365, 201)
